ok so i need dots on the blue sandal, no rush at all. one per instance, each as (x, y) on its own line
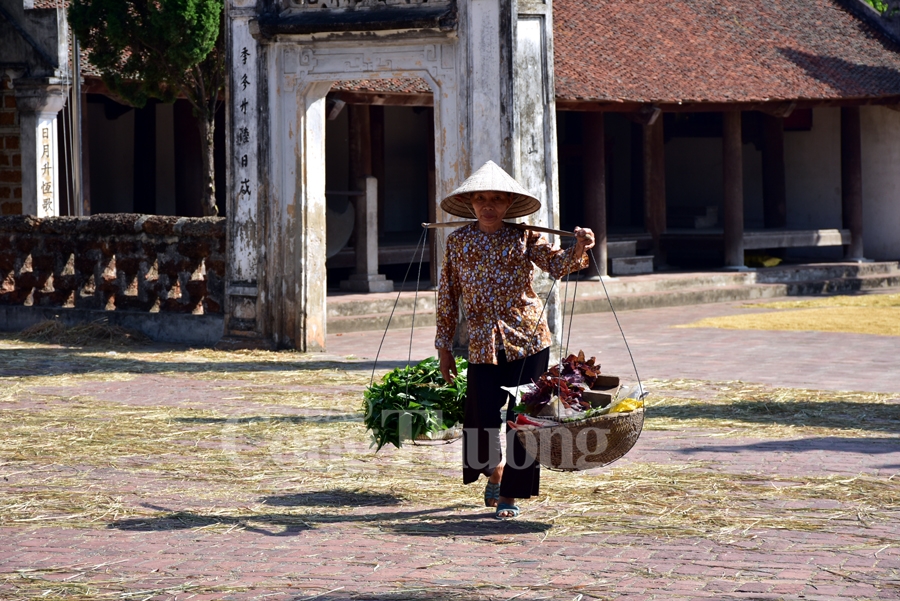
(491, 493)
(502, 507)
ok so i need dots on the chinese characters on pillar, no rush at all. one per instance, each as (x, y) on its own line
(45, 164)
(244, 182)
(244, 118)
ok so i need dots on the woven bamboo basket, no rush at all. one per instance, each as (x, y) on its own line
(585, 444)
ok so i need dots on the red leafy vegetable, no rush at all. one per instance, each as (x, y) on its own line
(565, 380)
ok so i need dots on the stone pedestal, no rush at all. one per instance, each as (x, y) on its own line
(367, 278)
(364, 282)
(39, 104)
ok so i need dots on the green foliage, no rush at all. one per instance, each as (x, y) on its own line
(418, 394)
(163, 49)
(882, 6)
(151, 49)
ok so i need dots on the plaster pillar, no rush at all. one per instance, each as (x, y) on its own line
(655, 186)
(851, 182)
(595, 186)
(38, 105)
(774, 192)
(733, 176)
(245, 183)
(530, 111)
(367, 278)
(433, 246)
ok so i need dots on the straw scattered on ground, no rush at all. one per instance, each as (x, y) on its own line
(843, 300)
(84, 334)
(759, 411)
(876, 314)
(282, 447)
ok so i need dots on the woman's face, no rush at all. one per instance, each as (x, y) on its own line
(490, 208)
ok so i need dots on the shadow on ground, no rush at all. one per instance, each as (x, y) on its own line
(333, 498)
(833, 444)
(836, 414)
(424, 522)
(256, 419)
(471, 525)
(55, 361)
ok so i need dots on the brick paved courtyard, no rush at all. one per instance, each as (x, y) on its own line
(160, 473)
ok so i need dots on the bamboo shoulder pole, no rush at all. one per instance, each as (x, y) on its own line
(518, 226)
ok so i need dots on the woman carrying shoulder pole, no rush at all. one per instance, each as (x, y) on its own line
(489, 267)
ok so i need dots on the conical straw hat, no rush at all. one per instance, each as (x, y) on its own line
(490, 178)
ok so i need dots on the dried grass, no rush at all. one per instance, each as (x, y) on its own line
(876, 314)
(854, 300)
(86, 334)
(753, 410)
(284, 448)
(851, 320)
(90, 582)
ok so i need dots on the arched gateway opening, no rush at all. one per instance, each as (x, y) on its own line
(380, 129)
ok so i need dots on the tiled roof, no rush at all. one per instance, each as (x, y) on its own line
(720, 51)
(412, 85)
(699, 51)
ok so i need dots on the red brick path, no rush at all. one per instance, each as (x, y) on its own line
(470, 556)
(817, 360)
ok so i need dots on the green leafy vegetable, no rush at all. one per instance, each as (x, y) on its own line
(412, 401)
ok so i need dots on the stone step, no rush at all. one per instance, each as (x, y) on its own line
(380, 321)
(631, 265)
(349, 314)
(678, 297)
(843, 285)
(342, 306)
(621, 248)
(659, 281)
(824, 271)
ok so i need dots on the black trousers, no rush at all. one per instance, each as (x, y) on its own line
(481, 435)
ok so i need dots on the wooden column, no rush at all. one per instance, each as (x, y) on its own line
(433, 249)
(360, 155)
(851, 181)
(85, 157)
(376, 119)
(655, 186)
(144, 197)
(733, 175)
(595, 187)
(636, 175)
(774, 195)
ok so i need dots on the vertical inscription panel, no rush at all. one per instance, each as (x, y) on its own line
(47, 177)
(244, 147)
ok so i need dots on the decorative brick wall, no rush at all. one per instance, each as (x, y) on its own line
(10, 155)
(115, 262)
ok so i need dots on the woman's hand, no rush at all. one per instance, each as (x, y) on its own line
(584, 240)
(448, 365)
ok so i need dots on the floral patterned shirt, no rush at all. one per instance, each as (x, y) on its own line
(493, 274)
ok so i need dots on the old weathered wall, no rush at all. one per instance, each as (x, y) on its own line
(813, 172)
(120, 262)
